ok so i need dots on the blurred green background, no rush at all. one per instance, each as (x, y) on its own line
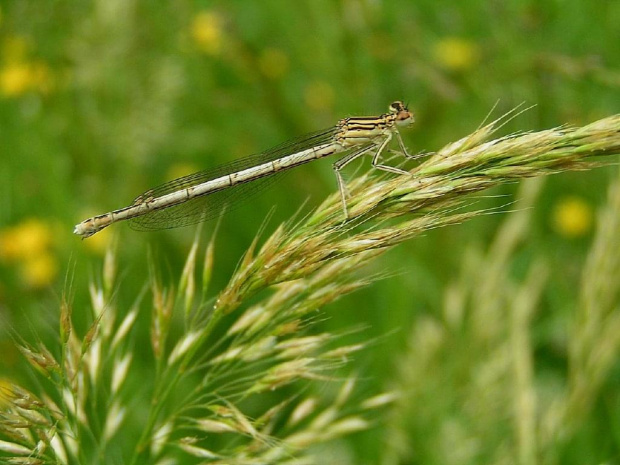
(100, 100)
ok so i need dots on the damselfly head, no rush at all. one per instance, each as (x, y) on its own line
(403, 116)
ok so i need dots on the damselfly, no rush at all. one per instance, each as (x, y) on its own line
(208, 194)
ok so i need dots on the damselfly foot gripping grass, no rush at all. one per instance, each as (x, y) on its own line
(208, 194)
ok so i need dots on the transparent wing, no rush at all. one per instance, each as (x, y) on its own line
(202, 208)
(212, 205)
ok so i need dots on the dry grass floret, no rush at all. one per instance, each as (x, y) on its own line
(202, 382)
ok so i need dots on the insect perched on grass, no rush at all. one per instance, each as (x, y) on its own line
(207, 194)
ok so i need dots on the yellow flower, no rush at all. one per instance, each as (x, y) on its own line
(319, 95)
(15, 79)
(28, 239)
(19, 77)
(28, 244)
(572, 217)
(39, 271)
(456, 54)
(273, 63)
(206, 32)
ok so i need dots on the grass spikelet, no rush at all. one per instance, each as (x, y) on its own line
(187, 283)
(196, 404)
(207, 267)
(480, 353)
(202, 389)
(595, 334)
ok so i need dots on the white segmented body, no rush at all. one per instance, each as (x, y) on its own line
(363, 133)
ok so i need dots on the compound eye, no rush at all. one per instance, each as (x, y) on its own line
(397, 107)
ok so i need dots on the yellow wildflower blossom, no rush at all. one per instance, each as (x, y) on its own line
(206, 32)
(18, 78)
(572, 217)
(15, 79)
(28, 244)
(39, 271)
(28, 239)
(19, 75)
(456, 54)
